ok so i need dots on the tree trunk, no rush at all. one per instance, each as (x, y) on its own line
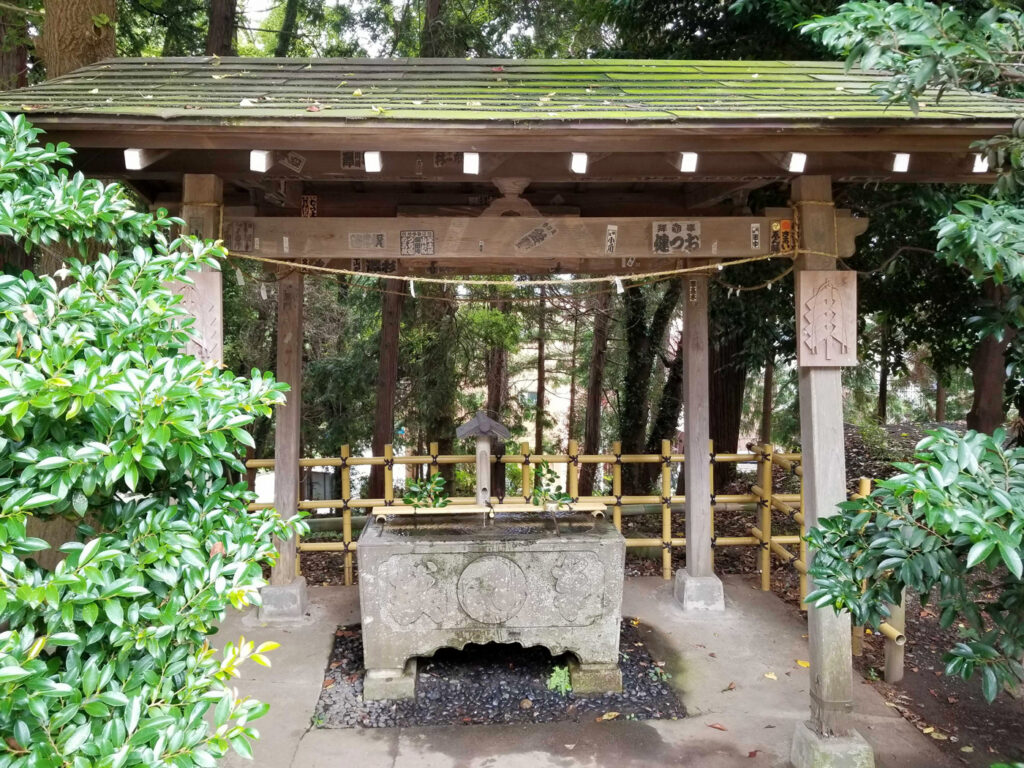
(883, 379)
(643, 339)
(988, 371)
(728, 379)
(767, 402)
(497, 400)
(538, 439)
(666, 422)
(76, 33)
(387, 379)
(438, 381)
(940, 401)
(220, 32)
(431, 44)
(595, 390)
(289, 25)
(13, 53)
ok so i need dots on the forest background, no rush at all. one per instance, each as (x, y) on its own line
(616, 358)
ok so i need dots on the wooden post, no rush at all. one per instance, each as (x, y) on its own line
(483, 469)
(697, 426)
(202, 194)
(697, 588)
(824, 471)
(288, 418)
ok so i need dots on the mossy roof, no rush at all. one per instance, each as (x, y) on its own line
(241, 91)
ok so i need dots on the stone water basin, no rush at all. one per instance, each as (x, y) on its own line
(433, 581)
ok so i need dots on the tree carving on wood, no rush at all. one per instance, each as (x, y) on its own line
(826, 302)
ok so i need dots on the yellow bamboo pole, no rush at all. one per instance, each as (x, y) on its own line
(617, 486)
(573, 471)
(766, 516)
(666, 510)
(711, 482)
(346, 511)
(434, 449)
(389, 475)
(524, 452)
(802, 557)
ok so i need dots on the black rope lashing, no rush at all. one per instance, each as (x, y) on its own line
(618, 458)
(618, 500)
(666, 500)
(714, 541)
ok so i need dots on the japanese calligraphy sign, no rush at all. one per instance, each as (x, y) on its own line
(782, 236)
(539, 234)
(416, 242)
(668, 237)
(367, 241)
(238, 236)
(377, 266)
(826, 318)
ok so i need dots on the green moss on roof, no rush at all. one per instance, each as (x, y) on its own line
(238, 90)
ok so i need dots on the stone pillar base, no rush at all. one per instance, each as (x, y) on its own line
(381, 684)
(595, 678)
(811, 750)
(284, 602)
(699, 593)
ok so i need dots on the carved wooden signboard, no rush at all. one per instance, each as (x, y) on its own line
(826, 317)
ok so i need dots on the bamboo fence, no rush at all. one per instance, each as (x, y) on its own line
(788, 550)
(762, 495)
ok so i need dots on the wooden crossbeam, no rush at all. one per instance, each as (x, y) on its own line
(517, 244)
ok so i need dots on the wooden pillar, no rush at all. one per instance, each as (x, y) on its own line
(202, 195)
(824, 470)
(288, 417)
(697, 426)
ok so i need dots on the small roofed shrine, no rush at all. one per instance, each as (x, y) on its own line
(608, 170)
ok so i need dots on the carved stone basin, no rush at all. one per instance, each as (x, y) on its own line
(432, 582)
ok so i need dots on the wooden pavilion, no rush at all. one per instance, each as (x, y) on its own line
(433, 168)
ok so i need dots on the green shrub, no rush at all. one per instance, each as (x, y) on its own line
(105, 421)
(953, 523)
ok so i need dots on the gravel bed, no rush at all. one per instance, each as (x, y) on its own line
(493, 684)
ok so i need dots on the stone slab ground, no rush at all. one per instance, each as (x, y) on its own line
(720, 662)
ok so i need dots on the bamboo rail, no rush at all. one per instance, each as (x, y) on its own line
(762, 497)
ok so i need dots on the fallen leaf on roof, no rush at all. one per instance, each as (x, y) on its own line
(606, 716)
(771, 675)
(247, 103)
(357, 92)
(802, 663)
(717, 726)
(753, 753)
(729, 687)
(313, 108)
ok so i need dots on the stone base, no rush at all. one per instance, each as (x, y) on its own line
(699, 593)
(595, 678)
(811, 750)
(284, 602)
(381, 684)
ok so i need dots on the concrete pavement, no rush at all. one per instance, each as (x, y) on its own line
(724, 665)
